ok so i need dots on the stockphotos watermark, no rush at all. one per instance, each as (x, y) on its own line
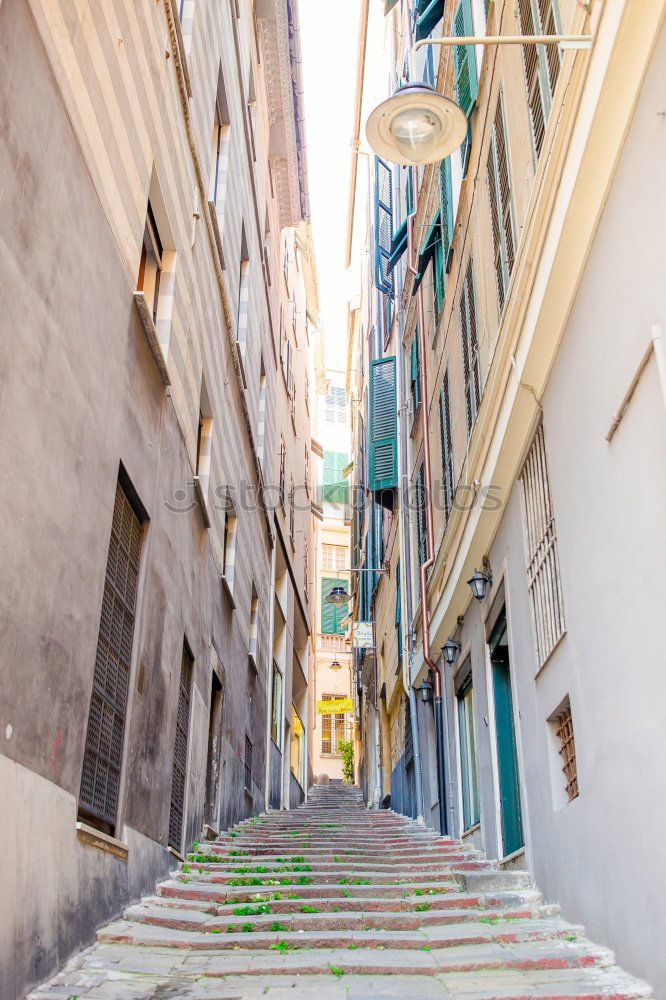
(269, 498)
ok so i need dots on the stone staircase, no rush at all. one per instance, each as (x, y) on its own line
(334, 901)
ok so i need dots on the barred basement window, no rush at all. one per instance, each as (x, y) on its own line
(102, 757)
(565, 734)
(248, 764)
(179, 777)
(543, 569)
(501, 208)
(470, 347)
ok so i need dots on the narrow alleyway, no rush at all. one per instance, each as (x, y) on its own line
(333, 901)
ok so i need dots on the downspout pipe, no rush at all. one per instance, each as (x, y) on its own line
(430, 542)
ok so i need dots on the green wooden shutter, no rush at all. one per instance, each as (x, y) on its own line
(466, 77)
(415, 366)
(335, 486)
(431, 13)
(383, 225)
(331, 616)
(446, 207)
(383, 472)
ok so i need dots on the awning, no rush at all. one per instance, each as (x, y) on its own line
(428, 249)
(433, 13)
(398, 247)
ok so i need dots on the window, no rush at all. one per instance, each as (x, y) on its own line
(248, 764)
(383, 227)
(464, 59)
(306, 570)
(204, 440)
(285, 263)
(501, 210)
(102, 756)
(470, 348)
(398, 614)
(243, 294)
(565, 735)
(335, 486)
(541, 64)
(438, 276)
(306, 470)
(276, 707)
(283, 456)
(543, 568)
(446, 209)
(229, 552)
(221, 146)
(261, 414)
(252, 112)
(253, 635)
(421, 517)
(331, 615)
(467, 747)
(447, 444)
(415, 372)
(332, 728)
(179, 775)
(292, 511)
(186, 15)
(334, 556)
(150, 264)
(335, 406)
(296, 749)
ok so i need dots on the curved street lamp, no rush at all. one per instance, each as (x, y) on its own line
(416, 125)
(338, 596)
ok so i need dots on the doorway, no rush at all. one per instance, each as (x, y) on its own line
(505, 733)
(214, 753)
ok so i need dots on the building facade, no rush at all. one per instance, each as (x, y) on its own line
(521, 345)
(155, 249)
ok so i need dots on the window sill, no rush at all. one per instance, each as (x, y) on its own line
(507, 859)
(212, 208)
(176, 854)
(332, 756)
(470, 830)
(151, 335)
(203, 503)
(91, 837)
(229, 592)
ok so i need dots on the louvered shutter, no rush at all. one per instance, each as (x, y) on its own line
(106, 722)
(383, 225)
(446, 207)
(447, 444)
(179, 775)
(331, 616)
(383, 473)
(415, 371)
(432, 12)
(421, 528)
(501, 205)
(466, 78)
(470, 347)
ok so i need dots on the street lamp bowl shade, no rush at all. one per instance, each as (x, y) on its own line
(450, 649)
(336, 665)
(338, 596)
(479, 584)
(416, 125)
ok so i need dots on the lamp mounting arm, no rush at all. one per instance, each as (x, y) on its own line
(566, 41)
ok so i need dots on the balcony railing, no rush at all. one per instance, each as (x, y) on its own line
(333, 643)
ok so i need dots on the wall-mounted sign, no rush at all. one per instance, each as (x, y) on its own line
(339, 706)
(362, 635)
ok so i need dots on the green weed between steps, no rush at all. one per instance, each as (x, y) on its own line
(483, 920)
(252, 911)
(421, 907)
(278, 927)
(283, 946)
(308, 909)
(337, 971)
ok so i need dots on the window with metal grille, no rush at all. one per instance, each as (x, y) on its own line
(501, 205)
(334, 556)
(447, 444)
(470, 347)
(543, 569)
(332, 727)
(102, 757)
(541, 64)
(248, 764)
(421, 526)
(415, 372)
(179, 776)
(565, 734)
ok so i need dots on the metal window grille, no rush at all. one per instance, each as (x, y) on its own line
(421, 516)
(106, 721)
(447, 444)
(179, 777)
(541, 64)
(501, 207)
(334, 557)
(543, 570)
(248, 764)
(470, 347)
(565, 735)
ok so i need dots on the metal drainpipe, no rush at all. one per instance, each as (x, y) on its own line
(406, 561)
(430, 543)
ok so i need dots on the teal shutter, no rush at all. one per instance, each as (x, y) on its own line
(335, 486)
(466, 78)
(446, 208)
(383, 473)
(415, 371)
(331, 616)
(431, 13)
(383, 225)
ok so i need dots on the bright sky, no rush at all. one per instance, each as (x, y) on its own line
(329, 37)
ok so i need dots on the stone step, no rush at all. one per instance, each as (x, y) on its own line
(337, 877)
(337, 863)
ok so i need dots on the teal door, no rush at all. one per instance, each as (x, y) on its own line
(507, 757)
